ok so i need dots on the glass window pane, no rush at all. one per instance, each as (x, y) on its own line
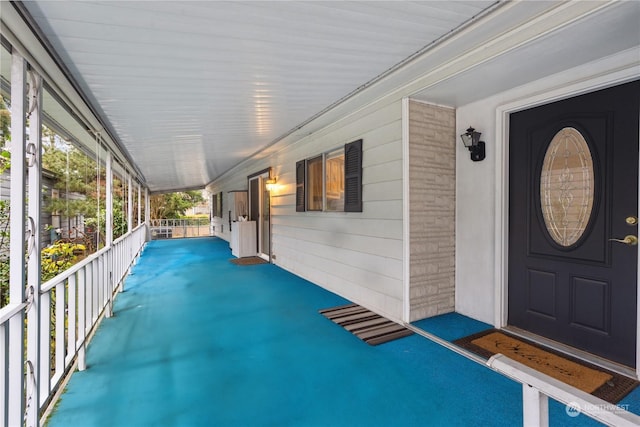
(567, 187)
(314, 184)
(334, 176)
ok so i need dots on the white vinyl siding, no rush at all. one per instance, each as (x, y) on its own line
(355, 254)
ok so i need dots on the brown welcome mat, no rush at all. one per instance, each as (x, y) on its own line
(250, 260)
(366, 325)
(600, 382)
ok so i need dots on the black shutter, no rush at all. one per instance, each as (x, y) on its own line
(353, 176)
(300, 170)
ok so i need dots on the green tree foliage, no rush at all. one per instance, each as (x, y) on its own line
(79, 174)
(58, 257)
(75, 173)
(4, 252)
(173, 205)
(5, 162)
(5, 122)
(5, 136)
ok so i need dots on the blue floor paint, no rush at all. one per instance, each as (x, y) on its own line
(451, 326)
(198, 341)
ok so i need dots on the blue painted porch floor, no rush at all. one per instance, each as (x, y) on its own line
(198, 341)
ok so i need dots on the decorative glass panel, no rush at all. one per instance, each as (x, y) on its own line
(567, 186)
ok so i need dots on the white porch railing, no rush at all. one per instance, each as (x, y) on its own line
(538, 387)
(71, 306)
(179, 228)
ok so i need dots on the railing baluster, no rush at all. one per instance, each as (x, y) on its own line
(60, 336)
(88, 312)
(4, 391)
(45, 345)
(82, 313)
(179, 228)
(107, 271)
(71, 316)
(95, 290)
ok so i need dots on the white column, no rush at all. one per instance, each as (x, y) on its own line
(109, 201)
(108, 266)
(535, 407)
(147, 206)
(139, 203)
(15, 406)
(129, 204)
(34, 246)
(147, 212)
(98, 195)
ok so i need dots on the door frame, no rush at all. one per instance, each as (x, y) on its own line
(261, 176)
(501, 258)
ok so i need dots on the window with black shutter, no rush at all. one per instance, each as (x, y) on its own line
(300, 171)
(332, 181)
(353, 176)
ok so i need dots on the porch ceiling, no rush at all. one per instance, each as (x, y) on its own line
(191, 89)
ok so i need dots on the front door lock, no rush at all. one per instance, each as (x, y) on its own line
(631, 220)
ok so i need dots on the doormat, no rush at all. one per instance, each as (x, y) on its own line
(592, 379)
(250, 260)
(366, 325)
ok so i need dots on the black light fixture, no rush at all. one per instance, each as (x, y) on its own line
(471, 140)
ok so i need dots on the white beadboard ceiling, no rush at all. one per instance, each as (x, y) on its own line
(191, 89)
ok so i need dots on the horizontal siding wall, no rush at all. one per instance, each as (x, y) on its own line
(358, 254)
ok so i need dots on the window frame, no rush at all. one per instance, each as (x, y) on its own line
(309, 193)
(352, 179)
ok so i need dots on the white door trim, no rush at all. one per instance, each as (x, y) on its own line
(502, 179)
(259, 231)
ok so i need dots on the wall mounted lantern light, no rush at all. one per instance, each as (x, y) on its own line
(270, 184)
(471, 140)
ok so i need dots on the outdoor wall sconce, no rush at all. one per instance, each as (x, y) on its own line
(270, 184)
(471, 140)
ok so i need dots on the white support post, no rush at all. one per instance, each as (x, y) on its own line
(98, 195)
(129, 204)
(535, 407)
(147, 212)
(34, 246)
(139, 203)
(16, 362)
(109, 201)
(117, 276)
(109, 228)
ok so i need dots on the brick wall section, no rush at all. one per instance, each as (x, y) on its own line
(432, 209)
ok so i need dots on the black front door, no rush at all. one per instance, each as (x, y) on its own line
(573, 187)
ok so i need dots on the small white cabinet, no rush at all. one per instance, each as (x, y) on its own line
(243, 239)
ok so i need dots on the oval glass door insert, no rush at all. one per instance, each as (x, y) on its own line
(567, 187)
